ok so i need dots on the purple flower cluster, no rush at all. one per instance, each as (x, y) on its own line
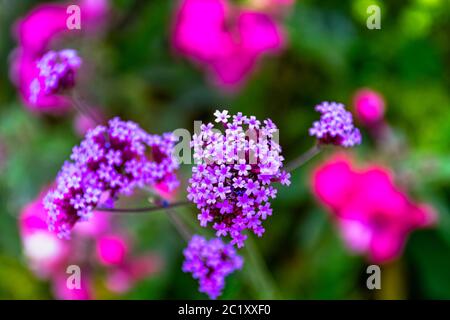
(210, 262)
(335, 126)
(57, 72)
(111, 161)
(232, 181)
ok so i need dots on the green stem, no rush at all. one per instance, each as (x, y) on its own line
(257, 272)
(303, 158)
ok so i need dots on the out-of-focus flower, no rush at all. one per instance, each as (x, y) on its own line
(36, 33)
(57, 72)
(228, 41)
(111, 249)
(44, 250)
(232, 182)
(49, 256)
(335, 126)
(372, 214)
(112, 160)
(123, 277)
(210, 262)
(94, 13)
(369, 106)
(62, 291)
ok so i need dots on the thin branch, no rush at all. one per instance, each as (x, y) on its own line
(144, 209)
(179, 224)
(303, 158)
(83, 109)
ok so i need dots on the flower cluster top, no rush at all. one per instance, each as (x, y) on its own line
(210, 262)
(57, 70)
(335, 126)
(233, 179)
(112, 160)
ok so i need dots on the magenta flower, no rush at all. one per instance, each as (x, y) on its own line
(228, 41)
(335, 126)
(369, 106)
(210, 262)
(111, 249)
(111, 161)
(374, 217)
(232, 181)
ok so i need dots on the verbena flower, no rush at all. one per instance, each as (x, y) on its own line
(233, 179)
(112, 160)
(335, 126)
(373, 215)
(35, 33)
(57, 72)
(210, 262)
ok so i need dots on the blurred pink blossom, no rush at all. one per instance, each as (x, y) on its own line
(48, 256)
(62, 292)
(123, 278)
(369, 106)
(228, 41)
(373, 215)
(111, 250)
(45, 252)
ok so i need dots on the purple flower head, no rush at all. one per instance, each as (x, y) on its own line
(233, 177)
(56, 72)
(111, 160)
(335, 126)
(210, 262)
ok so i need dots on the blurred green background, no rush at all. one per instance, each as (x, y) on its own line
(330, 54)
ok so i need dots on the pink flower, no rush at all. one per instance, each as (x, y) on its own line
(112, 250)
(45, 252)
(62, 291)
(122, 278)
(369, 106)
(228, 41)
(374, 217)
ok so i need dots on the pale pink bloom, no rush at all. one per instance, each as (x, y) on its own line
(45, 252)
(369, 106)
(96, 226)
(226, 40)
(373, 215)
(123, 278)
(48, 256)
(63, 291)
